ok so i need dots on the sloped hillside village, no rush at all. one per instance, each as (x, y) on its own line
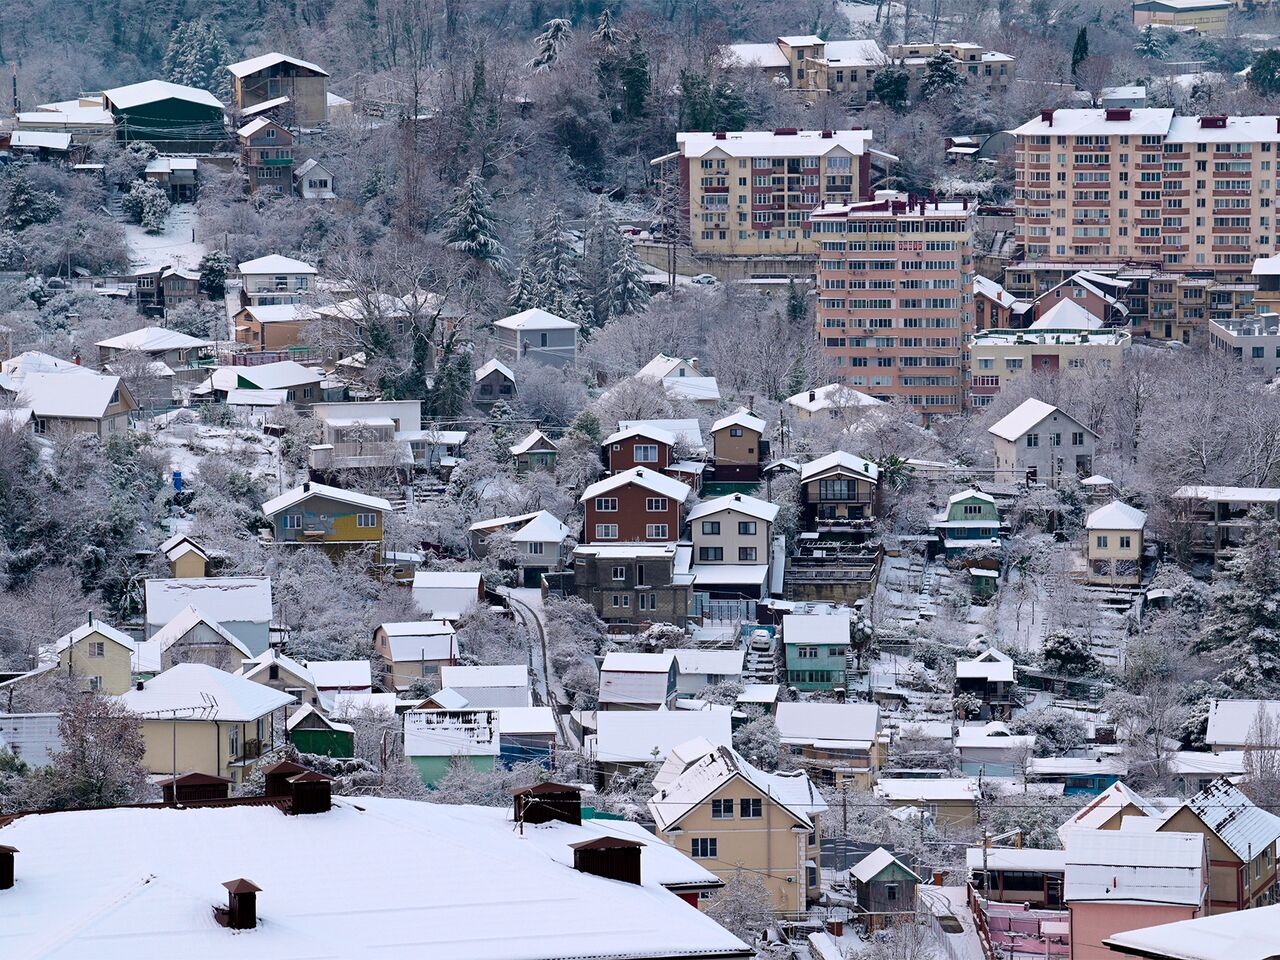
(606, 500)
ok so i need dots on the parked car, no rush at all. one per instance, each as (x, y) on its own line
(704, 279)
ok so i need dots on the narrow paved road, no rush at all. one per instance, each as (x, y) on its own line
(527, 606)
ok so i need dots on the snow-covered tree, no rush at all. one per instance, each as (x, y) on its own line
(1150, 45)
(630, 288)
(759, 742)
(24, 205)
(471, 227)
(940, 77)
(197, 56)
(1066, 652)
(524, 289)
(891, 86)
(214, 267)
(555, 35)
(100, 761)
(744, 906)
(606, 33)
(147, 204)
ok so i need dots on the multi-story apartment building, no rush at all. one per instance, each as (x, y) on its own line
(895, 296)
(997, 357)
(266, 155)
(1189, 193)
(1254, 341)
(816, 68)
(749, 194)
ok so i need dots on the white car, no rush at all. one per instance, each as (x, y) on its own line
(704, 279)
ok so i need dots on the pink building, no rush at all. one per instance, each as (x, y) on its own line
(1118, 880)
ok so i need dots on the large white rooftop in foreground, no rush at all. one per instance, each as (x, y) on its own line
(372, 879)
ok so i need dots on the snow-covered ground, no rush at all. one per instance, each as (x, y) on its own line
(189, 443)
(178, 246)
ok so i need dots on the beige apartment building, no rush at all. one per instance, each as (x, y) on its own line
(749, 194)
(997, 357)
(895, 296)
(816, 68)
(1186, 193)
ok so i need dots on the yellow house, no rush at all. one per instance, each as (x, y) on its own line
(730, 816)
(949, 802)
(186, 558)
(1113, 544)
(331, 516)
(283, 673)
(199, 719)
(100, 655)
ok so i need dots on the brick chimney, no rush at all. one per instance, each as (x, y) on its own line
(1046, 116)
(6, 866)
(721, 135)
(608, 857)
(547, 803)
(1119, 113)
(242, 905)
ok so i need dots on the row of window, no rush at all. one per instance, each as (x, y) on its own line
(644, 601)
(651, 504)
(714, 554)
(711, 528)
(652, 531)
(749, 808)
(293, 521)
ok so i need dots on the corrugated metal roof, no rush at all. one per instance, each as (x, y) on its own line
(1246, 829)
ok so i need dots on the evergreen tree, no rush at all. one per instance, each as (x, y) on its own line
(1150, 45)
(524, 289)
(1080, 52)
(708, 106)
(940, 76)
(891, 87)
(147, 204)
(451, 387)
(550, 43)
(797, 308)
(214, 267)
(630, 288)
(197, 56)
(1264, 73)
(471, 228)
(606, 33)
(603, 242)
(555, 262)
(633, 73)
(25, 206)
(1242, 629)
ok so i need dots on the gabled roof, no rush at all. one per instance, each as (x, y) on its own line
(742, 418)
(687, 430)
(184, 622)
(535, 318)
(661, 366)
(832, 395)
(991, 665)
(94, 627)
(637, 662)
(337, 674)
(642, 477)
(245, 67)
(269, 657)
(491, 366)
(720, 663)
(1246, 829)
(993, 291)
(446, 594)
(274, 263)
(1067, 315)
(1105, 806)
(645, 431)
(71, 396)
(833, 723)
(225, 599)
(1026, 417)
(492, 675)
(197, 691)
(1123, 866)
(632, 736)
(1116, 516)
(154, 91)
(1234, 721)
(255, 125)
(740, 502)
(875, 862)
(420, 640)
(838, 461)
(971, 494)
(530, 440)
(278, 375)
(307, 710)
(1240, 935)
(152, 340)
(306, 491)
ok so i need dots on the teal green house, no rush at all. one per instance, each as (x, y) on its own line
(171, 116)
(435, 739)
(816, 647)
(970, 522)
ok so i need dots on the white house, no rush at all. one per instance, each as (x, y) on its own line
(638, 681)
(276, 279)
(1041, 444)
(313, 180)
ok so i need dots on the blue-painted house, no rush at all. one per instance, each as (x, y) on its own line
(970, 522)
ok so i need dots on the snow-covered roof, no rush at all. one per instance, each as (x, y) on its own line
(1097, 480)
(40, 139)
(692, 388)
(149, 654)
(542, 527)
(530, 440)
(1122, 866)
(632, 736)
(759, 693)
(1116, 516)
(839, 460)
(1016, 858)
(686, 430)
(306, 491)
(207, 693)
(910, 790)
(1067, 315)
(77, 396)
(1239, 935)
(970, 494)
(637, 662)
(767, 143)
(245, 67)
(1266, 266)
(853, 725)
(1074, 123)
(993, 735)
(739, 502)
(644, 431)
(446, 594)
(642, 477)
(225, 599)
(254, 125)
(719, 663)
(257, 398)
(703, 775)
(1234, 722)
(825, 628)
(274, 264)
(870, 866)
(490, 366)
(993, 291)
(470, 678)
(833, 395)
(1103, 807)
(116, 897)
(263, 107)
(34, 737)
(33, 361)
(307, 710)
(1025, 417)
(662, 366)
(341, 674)
(1229, 494)
(278, 375)
(742, 418)
(272, 657)
(153, 340)
(1246, 829)
(280, 312)
(94, 627)
(535, 318)
(153, 91)
(991, 665)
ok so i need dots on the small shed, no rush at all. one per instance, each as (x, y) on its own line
(312, 732)
(545, 802)
(195, 786)
(885, 887)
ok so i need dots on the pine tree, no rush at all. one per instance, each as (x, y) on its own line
(524, 289)
(471, 228)
(1080, 52)
(197, 56)
(1150, 45)
(452, 384)
(214, 267)
(630, 288)
(606, 33)
(891, 87)
(146, 203)
(940, 76)
(550, 43)
(633, 72)
(555, 261)
(26, 206)
(603, 243)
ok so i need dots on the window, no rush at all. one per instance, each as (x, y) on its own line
(747, 527)
(655, 504)
(705, 848)
(233, 741)
(607, 504)
(95, 684)
(721, 809)
(711, 528)
(606, 531)
(97, 648)
(750, 808)
(646, 453)
(366, 520)
(1126, 543)
(1033, 440)
(735, 431)
(619, 573)
(1077, 438)
(747, 554)
(1102, 542)
(542, 339)
(537, 548)
(648, 601)
(973, 509)
(710, 554)
(891, 891)
(806, 653)
(655, 531)
(291, 521)
(296, 692)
